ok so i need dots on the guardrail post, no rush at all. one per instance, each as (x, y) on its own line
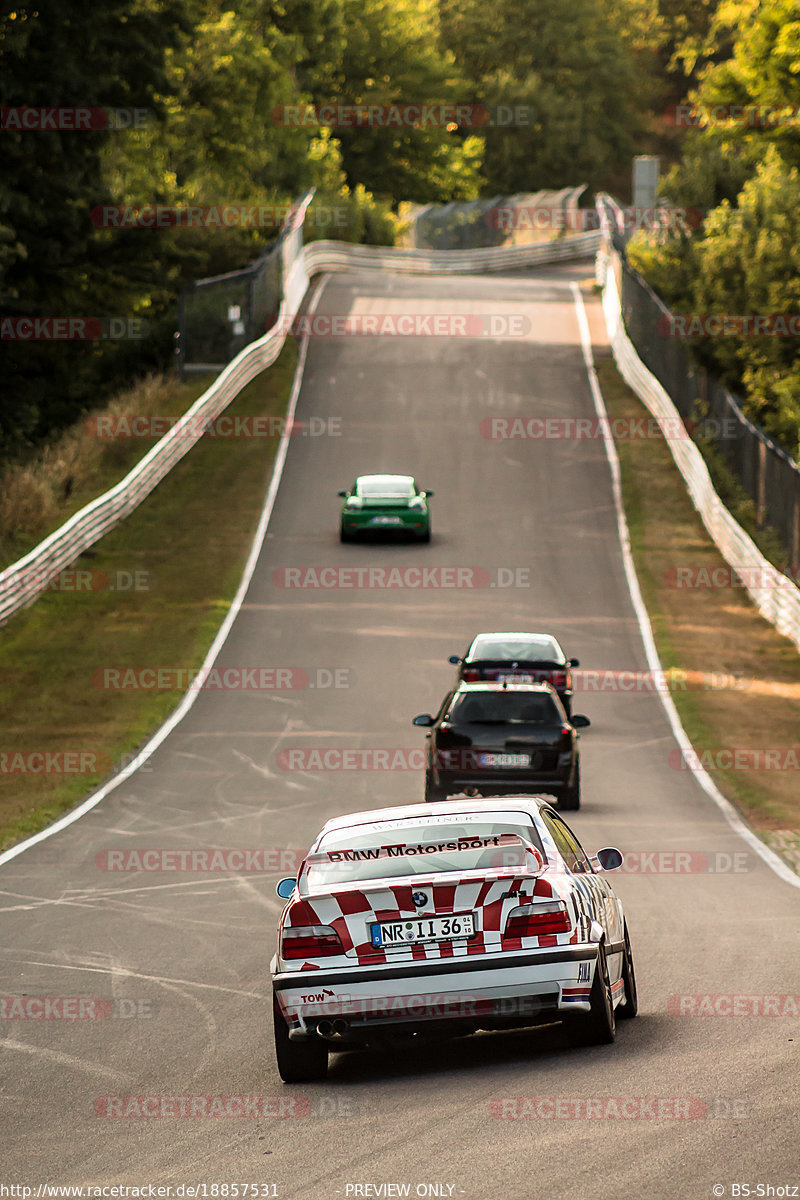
(180, 338)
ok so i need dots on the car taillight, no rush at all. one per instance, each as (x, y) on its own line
(310, 941)
(471, 675)
(559, 679)
(449, 737)
(531, 920)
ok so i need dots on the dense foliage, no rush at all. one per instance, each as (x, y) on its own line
(227, 94)
(741, 168)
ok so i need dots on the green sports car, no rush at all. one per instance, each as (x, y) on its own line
(385, 504)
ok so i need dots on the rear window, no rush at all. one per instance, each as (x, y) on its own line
(514, 708)
(421, 849)
(385, 486)
(544, 649)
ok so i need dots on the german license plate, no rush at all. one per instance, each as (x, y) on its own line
(515, 679)
(422, 929)
(386, 521)
(504, 760)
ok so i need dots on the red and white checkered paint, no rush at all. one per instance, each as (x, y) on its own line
(363, 982)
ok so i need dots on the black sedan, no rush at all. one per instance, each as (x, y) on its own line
(518, 657)
(495, 738)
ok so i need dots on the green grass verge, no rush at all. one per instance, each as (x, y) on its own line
(176, 563)
(742, 687)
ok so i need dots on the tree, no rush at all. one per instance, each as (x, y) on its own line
(568, 73)
(392, 56)
(54, 263)
(749, 262)
(758, 84)
(741, 166)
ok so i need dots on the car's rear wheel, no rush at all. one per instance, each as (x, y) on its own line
(298, 1062)
(426, 536)
(344, 534)
(432, 790)
(630, 1005)
(597, 1027)
(570, 798)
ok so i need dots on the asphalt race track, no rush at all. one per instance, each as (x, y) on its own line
(179, 958)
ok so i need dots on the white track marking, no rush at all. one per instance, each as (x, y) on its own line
(702, 776)
(127, 973)
(65, 1060)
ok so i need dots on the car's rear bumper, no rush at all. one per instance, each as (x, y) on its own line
(495, 991)
(492, 676)
(501, 783)
(409, 522)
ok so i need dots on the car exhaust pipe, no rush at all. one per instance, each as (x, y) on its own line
(329, 1029)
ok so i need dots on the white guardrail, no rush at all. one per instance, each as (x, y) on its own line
(774, 594)
(24, 580)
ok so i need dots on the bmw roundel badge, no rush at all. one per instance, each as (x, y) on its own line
(420, 899)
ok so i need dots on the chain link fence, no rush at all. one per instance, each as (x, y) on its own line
(765, 471)
(517, 220)
(219, 316)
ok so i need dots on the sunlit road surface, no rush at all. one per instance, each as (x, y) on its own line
(177, 959)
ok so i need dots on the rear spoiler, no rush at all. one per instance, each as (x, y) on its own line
(540, 664)
(415, 850)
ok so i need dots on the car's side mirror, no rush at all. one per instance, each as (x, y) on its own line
(454, 659)
(578, 721)
(573, 662)
(342, 494)
(285, 888)
(423, 719)
(428, 494)
(609, 858)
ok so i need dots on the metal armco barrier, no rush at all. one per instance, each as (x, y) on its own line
(773, 593)
(22, 582)
(342, 256)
